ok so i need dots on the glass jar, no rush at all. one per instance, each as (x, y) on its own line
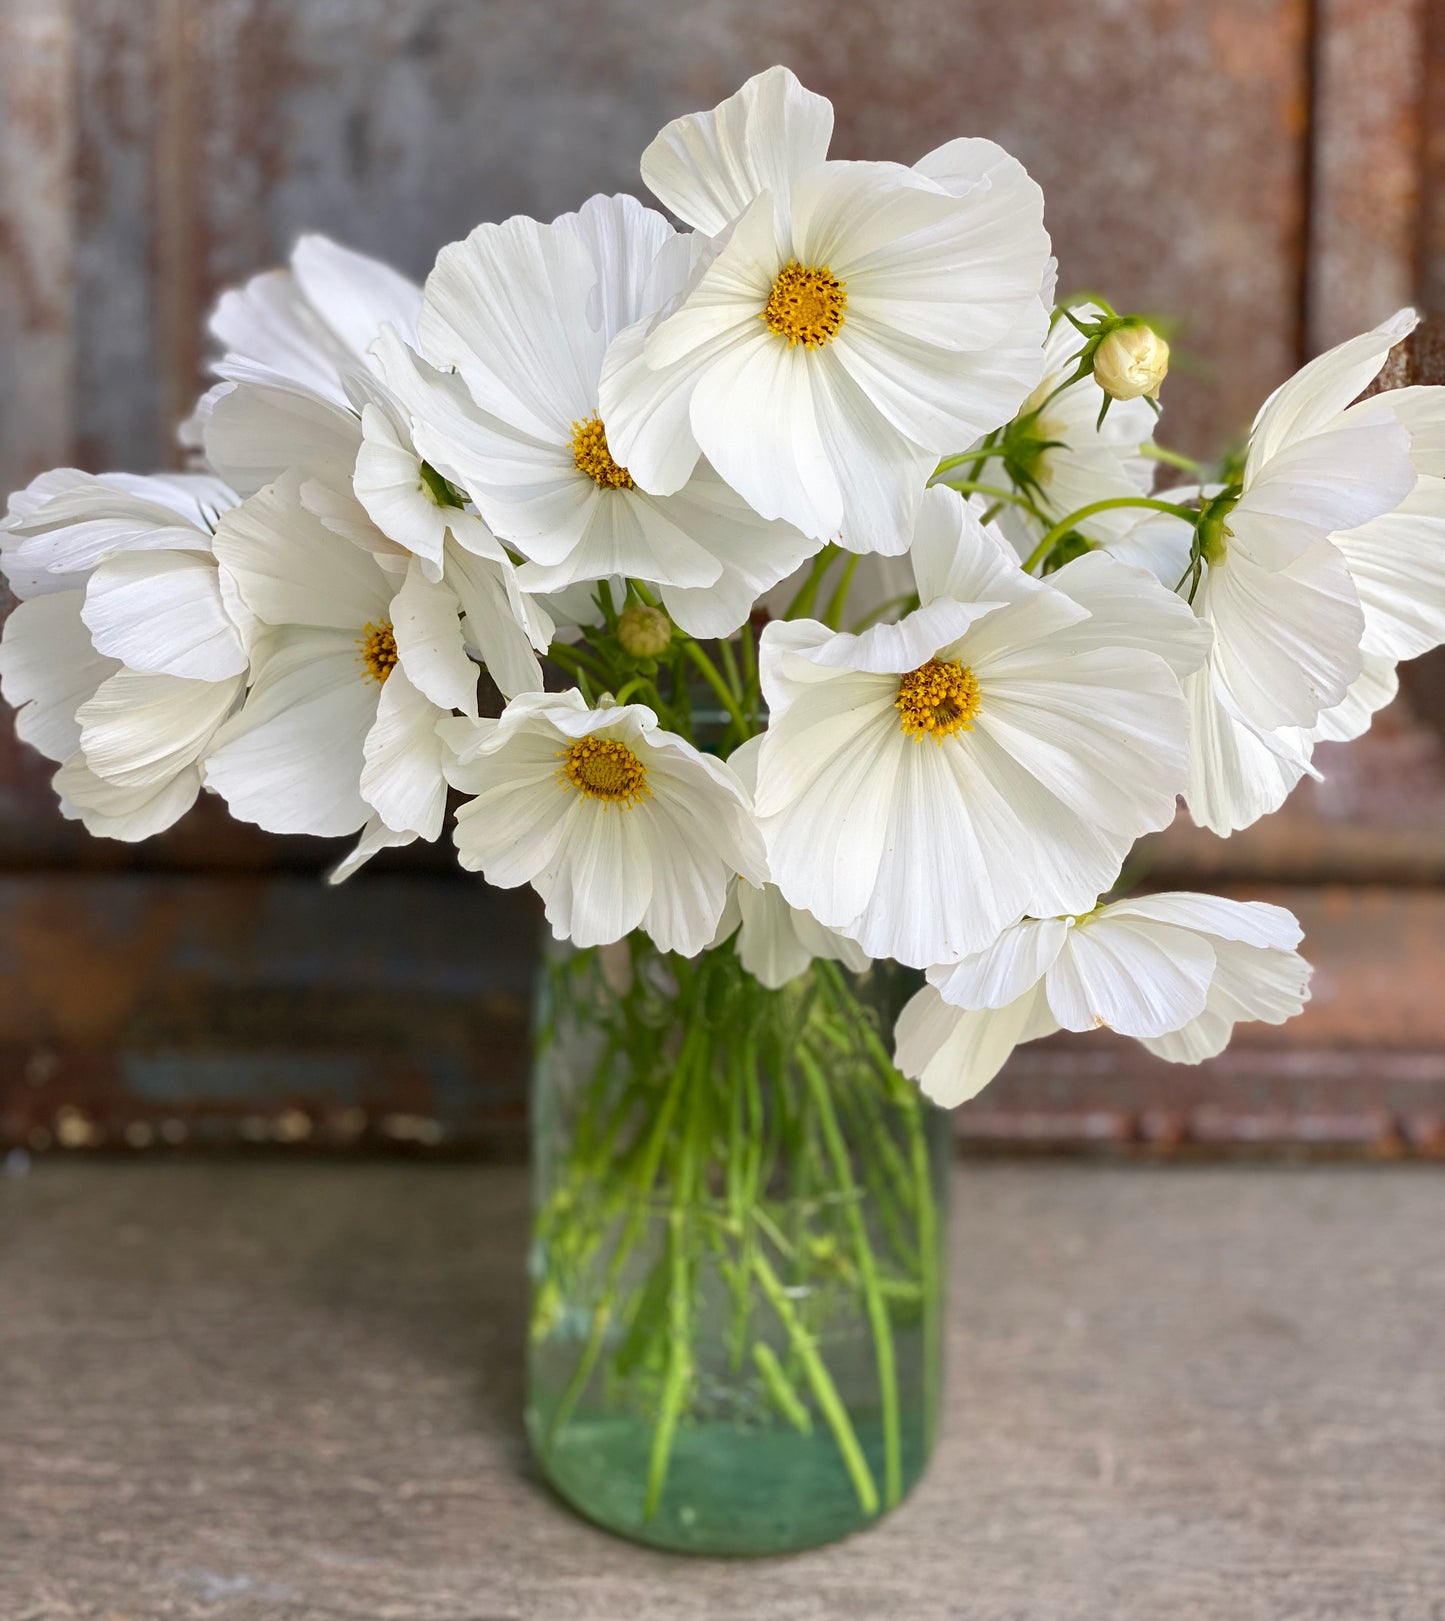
(736, 1329)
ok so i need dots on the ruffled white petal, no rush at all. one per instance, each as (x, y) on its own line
(1319, 391)
(1127, 973)
(290, 569)
(954, 1054)
(109, 811)
(707, 167)
(491, 311)
(291, 760)
(1250, 982)
(141, 729)
(376, 836)
(1004, 971)
(1238, 771)
(48, 668)
(163, 611)
(353, 294)
(403, 779)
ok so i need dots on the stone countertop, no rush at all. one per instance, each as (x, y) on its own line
(291, 1392)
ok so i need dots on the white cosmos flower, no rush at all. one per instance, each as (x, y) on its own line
(310, 326)
(128, 651)
(616, 823)
(1328, 570)
(776, 942)
(305, 396)
(996, 753)
(1074, 460)
(334, 729)
(850, 321)
(1176, 971)
(524, 313)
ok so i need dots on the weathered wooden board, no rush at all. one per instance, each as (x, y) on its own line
(282, 1393)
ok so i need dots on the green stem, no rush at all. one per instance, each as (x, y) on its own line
(912, 1103)
(820, 1381)
(709, 672)
(833, 613)
(977, 457)
(877, 1307)
(785, 1398)
(969, 486)
(1171, 458)
(802, 604)
(1064, 525)
(637, 1214)
(679, 1296)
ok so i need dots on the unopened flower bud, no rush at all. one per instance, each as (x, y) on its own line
(644, 632)
(1130, 362)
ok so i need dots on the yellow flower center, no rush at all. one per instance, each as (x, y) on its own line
(590, 452)
(378, 651)
(806, 305)
(937, 699)
(604, 769)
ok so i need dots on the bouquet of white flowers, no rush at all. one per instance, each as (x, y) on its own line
(785, 596)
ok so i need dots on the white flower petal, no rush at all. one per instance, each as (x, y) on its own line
(1398, 565)
(622, 238)
(491, 311)
(1319, 391)
(1129, 608)
(1286, 640)
(954, 555)
(388, 483)
(376, 836)
(1375, 686)
(353, 294)
(426, 622)
(255, 432)
(109, 811)
(1004, 971)
(1252, 923)
(1250, 982)
(503, 627)
(291, 569)
(141, 729)
(1130, 974)
(291, 761)
(1339, 478)
(1238, 771)
(954, 1054)
(163, 611)
(707, 167)
(402, 779)
(48, 668)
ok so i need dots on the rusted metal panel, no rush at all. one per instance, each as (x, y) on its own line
(210, 134)
(1368, 118)
(37, 235)
(206, 1012)
(137, 1011)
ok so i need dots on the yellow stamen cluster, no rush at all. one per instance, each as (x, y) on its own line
(602, 768)
(806, 305)
(937, 699)
(378, 651)
(590, 452)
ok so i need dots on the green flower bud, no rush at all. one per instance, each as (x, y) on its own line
(1131, 361)
(644, 632)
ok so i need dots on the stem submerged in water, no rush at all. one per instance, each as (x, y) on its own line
(738, 1223)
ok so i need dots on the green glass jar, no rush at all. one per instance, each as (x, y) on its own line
(736, 1327)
